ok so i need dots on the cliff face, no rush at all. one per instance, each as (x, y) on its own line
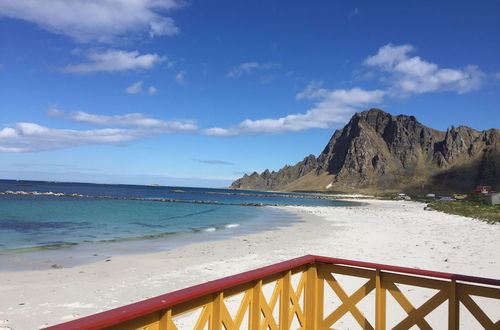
(378, 151)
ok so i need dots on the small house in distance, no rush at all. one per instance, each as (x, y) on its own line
(493, 199)
(482, 190)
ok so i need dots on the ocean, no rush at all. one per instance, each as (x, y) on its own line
(80, 217)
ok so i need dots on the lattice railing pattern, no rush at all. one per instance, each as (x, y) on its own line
(384, 282)
(300, 297)
(258, 311)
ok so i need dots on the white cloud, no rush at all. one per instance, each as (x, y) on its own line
(152, 90)
(250, 67)
(24, 137)
(497, 75)
(312, 90)
(170, 64)
(33, 137)
(135, 88)
(115, 61)
(354, 12)
(247, 67)
(412, 75)
(213, 162)
(332, 106)
(180, 77)
(129, 120)
(389, 55)
(95, 20)
(406, 75)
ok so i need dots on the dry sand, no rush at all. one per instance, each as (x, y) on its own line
(391, 232)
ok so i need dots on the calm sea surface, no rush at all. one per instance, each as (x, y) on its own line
(119, 213)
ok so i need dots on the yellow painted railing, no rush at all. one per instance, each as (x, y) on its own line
(307, 293)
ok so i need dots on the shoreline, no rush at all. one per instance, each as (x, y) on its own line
(389, 232)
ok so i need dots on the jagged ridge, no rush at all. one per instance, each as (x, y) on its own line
(276, 180)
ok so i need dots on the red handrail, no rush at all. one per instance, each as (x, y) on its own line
(128, 312)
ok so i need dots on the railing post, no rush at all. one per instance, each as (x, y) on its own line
(254, 319)
(310, 297)
(215, 318)
(285, 301)
(320, 298)
(453, 307)
(380, 302)
(165, 319)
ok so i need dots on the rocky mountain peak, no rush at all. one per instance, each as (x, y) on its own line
(378, 150)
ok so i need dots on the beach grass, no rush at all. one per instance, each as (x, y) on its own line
(473, 206)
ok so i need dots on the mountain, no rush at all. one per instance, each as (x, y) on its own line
(376, 151)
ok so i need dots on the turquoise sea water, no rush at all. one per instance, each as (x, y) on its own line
(27, 222)
(77, 217)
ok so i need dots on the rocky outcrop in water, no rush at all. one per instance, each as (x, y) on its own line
(378, 151)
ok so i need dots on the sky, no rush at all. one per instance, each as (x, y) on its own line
(197, 93)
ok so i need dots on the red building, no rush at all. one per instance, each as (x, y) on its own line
(482, 190)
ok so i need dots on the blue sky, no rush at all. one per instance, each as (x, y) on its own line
(199, 92)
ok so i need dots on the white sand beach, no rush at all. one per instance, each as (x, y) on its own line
(390, 232)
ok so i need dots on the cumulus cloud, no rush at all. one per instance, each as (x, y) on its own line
(332, 106)
(95, 20)
(114, 61)
(152, 90)
(135, 88)
(129, 120)
(250, 67)
(413, 75)
(180, 78)
(33, 137)
(23, 137)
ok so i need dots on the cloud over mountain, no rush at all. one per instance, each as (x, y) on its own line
(332, 106)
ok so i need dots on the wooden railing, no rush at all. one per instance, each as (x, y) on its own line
(301, 294)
